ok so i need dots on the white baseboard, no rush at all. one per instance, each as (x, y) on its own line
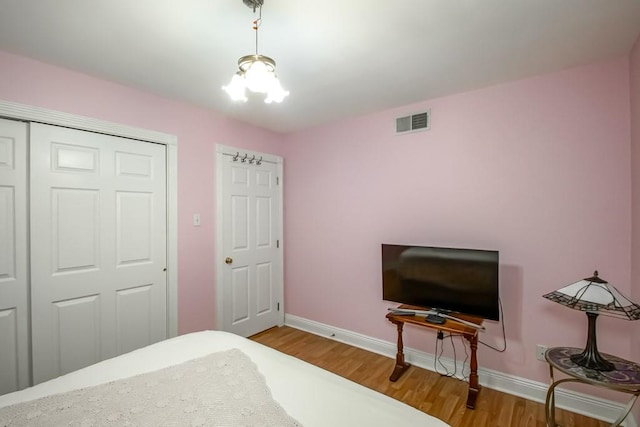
(579, 403)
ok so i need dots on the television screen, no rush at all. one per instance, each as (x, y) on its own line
(444, 279)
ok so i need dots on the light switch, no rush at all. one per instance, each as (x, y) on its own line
(196, 220)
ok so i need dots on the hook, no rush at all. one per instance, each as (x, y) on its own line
(235, 158)
(252, 159)
(259, 162)
(244, 159)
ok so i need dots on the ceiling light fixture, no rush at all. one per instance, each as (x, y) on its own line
(257, 72)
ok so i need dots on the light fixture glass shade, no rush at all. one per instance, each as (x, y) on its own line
(258, 77)
(276, 92)
(236, 88)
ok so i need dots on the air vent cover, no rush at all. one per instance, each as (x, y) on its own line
(413, 123)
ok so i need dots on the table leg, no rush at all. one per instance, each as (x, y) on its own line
(550, 402)
(474, 386)
(401, 365)
(550, 406)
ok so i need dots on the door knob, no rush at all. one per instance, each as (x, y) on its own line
(228, 260)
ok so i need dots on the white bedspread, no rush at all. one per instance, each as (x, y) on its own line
(307, 393)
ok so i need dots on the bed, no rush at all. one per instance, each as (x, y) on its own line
(304, 394)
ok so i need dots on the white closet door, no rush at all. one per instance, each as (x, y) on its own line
(98, 247)
(14, 357)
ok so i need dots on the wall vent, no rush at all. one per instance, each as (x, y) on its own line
(413, 123)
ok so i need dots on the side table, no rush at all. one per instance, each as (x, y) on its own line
(449, 326)
(625, 378)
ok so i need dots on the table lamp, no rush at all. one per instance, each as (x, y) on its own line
(595, 296)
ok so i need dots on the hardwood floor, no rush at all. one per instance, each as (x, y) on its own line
(440, 396)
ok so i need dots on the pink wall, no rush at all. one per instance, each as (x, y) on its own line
(634, 73)
(538, 169)
(198, 130)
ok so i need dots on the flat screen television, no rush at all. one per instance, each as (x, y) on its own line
(442, 279)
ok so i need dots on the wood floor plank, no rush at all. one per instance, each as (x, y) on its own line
(437, 395)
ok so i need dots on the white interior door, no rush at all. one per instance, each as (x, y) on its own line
(250, 283)
(14, 347)
(98, 247)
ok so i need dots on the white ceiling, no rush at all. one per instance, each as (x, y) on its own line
(339, 58)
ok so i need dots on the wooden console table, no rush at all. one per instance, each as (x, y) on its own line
(450, 326)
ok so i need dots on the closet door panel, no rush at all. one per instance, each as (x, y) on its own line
(7, 232)
(135, 317)
(14, 346)
(76, 328)
(9, 359)
(75, 229)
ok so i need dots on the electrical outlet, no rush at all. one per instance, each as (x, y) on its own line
(540, 351)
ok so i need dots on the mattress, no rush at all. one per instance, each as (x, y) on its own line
(311, 395)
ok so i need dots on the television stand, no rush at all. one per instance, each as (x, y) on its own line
(450, 326)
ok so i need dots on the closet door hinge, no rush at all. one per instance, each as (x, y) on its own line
(278, 306)
(277, 180)
(278, 243)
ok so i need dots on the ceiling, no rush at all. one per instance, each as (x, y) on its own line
(338, 58)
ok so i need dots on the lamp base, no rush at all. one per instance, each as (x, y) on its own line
(591, 357)
(592, 361)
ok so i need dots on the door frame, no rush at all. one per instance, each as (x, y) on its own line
(16, 111)
(221, 151)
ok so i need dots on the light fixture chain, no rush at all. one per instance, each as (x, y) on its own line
(256, 25)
